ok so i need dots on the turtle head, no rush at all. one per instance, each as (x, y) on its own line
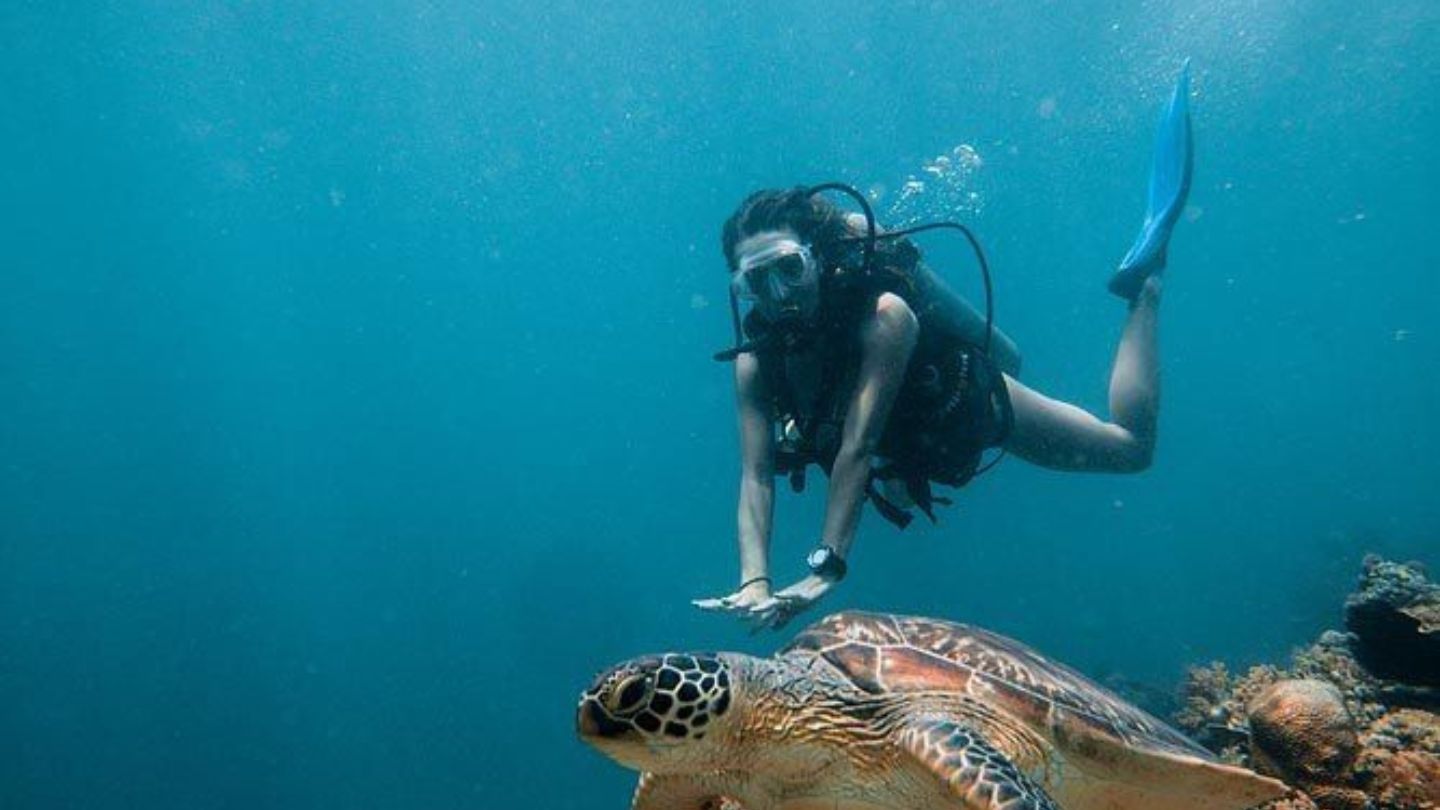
(662, 713)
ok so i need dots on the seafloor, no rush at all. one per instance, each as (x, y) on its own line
(1353, 720)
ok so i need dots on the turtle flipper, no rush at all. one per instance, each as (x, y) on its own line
(974, 772)
(678, 793)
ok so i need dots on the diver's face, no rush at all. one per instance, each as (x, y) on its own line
(778, 275)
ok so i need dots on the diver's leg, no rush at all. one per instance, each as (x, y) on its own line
(1062, 436)
(1135, 376)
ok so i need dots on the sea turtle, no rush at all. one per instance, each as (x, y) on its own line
(864, 711)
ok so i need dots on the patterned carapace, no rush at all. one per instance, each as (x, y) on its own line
(882, 653)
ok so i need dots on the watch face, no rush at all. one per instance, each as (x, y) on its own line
(818, 557)
(826, 562)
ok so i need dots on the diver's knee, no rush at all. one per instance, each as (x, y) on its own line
(1136, 455)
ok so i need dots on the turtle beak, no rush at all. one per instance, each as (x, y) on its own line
(586, 723)
(592, 723)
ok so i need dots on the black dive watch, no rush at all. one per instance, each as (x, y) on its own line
(826, 562)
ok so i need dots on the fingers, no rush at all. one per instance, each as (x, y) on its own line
(760, 614)
(775, 612)
(772, 612)
(763, 608)
(807, 590)
(765, 620)
(790, 610)
(726, 604)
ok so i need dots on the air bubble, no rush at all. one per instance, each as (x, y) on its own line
(943, 188)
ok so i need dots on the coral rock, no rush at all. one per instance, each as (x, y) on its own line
(1339, 798)
(1301, 732)
(1401, 760)
(1395, 617)
(1295, 800)
(1407, 779)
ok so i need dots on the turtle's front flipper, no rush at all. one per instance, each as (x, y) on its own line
(971, 770)
(678, 793)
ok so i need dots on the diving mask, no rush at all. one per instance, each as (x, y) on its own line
(780, 281)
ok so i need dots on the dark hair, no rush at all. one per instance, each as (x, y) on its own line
(817, 221)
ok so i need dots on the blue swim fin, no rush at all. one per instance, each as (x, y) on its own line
(1169, 186)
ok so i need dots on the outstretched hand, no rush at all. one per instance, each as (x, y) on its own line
(761, 610)
(739, 603)
(790, 602)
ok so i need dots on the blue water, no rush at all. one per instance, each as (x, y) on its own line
(355, 392)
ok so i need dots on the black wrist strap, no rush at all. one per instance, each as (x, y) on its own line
(751, 581)
(833, 567)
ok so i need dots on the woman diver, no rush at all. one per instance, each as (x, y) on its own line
(855, 356)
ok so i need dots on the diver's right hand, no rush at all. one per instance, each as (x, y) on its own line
(751, 594)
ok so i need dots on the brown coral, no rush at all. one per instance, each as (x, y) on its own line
(1213, 707)
(1400, 764)
(1295, 800)
(1301, 732)
(1406, 779)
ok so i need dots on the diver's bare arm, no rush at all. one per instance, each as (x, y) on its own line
(757, 477)
(887, 340)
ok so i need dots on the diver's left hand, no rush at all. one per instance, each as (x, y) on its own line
(786, 604)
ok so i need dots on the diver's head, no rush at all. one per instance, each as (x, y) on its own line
(778, 243)
(779, 276)
(664, 713)
(811, 218)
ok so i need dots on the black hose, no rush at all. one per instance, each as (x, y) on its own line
(868, 257)
(979, 256)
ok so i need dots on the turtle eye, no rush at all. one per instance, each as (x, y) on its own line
(629, 695)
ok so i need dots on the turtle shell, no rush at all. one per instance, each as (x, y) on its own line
(1109, 752)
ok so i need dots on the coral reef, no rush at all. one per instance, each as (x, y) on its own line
(1353, 720)
(1301, 732)
(1295, 801)
(1395, 617)
(1401, 759)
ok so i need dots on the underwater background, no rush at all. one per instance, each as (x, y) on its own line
(356, 401)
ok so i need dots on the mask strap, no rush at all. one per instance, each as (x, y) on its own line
(868, 254)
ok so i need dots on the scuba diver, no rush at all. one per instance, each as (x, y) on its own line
(853, 355)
